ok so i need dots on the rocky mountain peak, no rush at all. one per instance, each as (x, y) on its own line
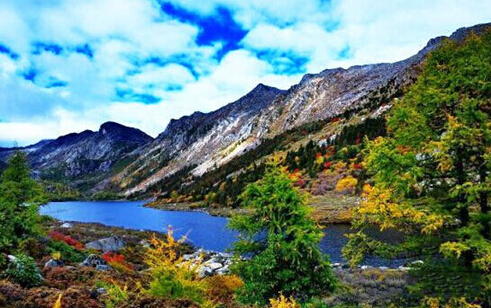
(116, 131)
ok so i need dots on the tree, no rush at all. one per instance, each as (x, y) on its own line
(20, 197)
(432, 172)
(282, 242)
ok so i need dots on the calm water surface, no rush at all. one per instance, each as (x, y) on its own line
(203, 230)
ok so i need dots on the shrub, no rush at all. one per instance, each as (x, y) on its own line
(58, 236)
(68, 253)
(34, 247)
(347, 185)
(283, 302)
(221, 289)
(117, 261)
(24, 271)
(172, 277)
(115, 293)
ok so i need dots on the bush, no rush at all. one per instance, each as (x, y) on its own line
(117, 261)
(221, 289)
(34, 247)
(172, 277)
(24, 271)
(68, 253)
(283, 302)
(115, 293)
(58, 236)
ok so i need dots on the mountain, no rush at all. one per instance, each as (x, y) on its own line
(201, 142)
(203, 139)
(84, 159)
(217, 145)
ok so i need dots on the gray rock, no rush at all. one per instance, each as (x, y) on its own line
(102, 267)
(222, 271)
(214, 265)
(94, 260)
(109, 244)
(67, 225)
(53, 263)
(188, 257)
(144, 243)
(204, 271)
(101, 291)
(364, 267)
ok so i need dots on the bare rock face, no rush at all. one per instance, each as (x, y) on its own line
(110, 244)
(206, 141)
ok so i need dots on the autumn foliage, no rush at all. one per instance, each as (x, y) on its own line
(58, 236)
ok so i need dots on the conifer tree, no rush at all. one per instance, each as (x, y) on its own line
(20, 197)
(432, 172)
(282, 241)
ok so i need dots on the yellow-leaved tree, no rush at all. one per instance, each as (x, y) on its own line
(432, 175)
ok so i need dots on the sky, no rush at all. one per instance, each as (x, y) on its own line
(71, 65)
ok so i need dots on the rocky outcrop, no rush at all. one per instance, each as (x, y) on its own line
(109, 244)
(209, 263)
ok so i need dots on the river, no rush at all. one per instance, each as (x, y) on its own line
(202, 229)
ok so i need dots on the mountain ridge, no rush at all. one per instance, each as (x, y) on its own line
(202, 142)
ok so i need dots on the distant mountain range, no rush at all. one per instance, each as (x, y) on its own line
(127, 161)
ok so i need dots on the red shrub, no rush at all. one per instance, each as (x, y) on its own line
(327, 165)
(58, 236)
(113, 258)
(357, 166)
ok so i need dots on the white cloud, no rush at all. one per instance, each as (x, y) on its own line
(124, 34)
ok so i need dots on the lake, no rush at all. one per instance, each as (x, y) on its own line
(202, 229)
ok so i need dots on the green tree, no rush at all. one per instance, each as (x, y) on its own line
(20, 197)
(432, 172)
(282, 242)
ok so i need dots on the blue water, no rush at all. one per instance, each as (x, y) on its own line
(202, 229)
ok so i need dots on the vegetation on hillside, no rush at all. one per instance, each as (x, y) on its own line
(431, 176)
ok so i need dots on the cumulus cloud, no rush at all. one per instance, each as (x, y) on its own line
(70, 65)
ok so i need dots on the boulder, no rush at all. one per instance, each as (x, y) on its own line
(102, 267)
(67, 225)
(53, 263)
(214, 265)
(109, 244)
(93, 261)
(204, 271)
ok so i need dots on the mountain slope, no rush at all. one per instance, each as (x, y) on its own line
(202, 139)
(201, 142)
(86, 158)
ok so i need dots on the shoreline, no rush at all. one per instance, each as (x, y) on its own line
(330, 209)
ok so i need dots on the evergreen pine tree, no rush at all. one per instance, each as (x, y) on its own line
(282, 240)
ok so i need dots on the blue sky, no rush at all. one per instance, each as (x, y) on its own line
(70, 65)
